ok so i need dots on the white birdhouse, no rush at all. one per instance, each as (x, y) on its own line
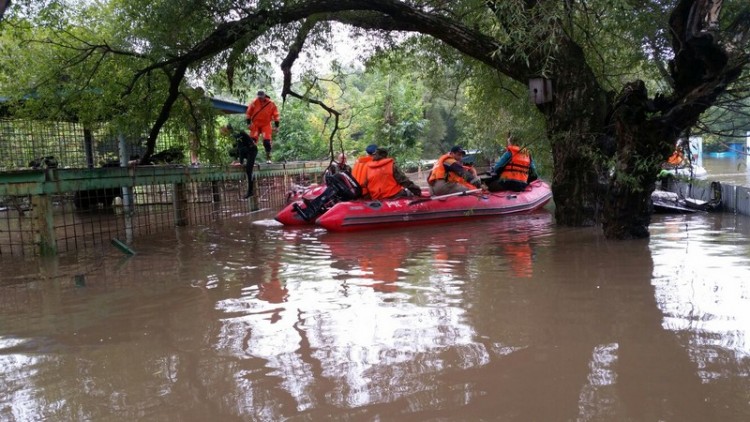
(540, 90)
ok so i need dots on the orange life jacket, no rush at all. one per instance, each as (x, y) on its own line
(438, 172)
(380, 181)
(359, 171)
(676, 158)
(261, 112)
(519, 166)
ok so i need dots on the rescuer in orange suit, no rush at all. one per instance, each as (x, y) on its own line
(260, 113)
(385, 181)
(359, 171)
(677, 159)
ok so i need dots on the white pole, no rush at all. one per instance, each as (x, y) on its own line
(696, 148)
(747, 151)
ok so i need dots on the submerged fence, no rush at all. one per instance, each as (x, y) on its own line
(734, 199)
(58, 210)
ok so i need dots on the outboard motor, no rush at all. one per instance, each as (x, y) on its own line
(340, 187)
(345, 184)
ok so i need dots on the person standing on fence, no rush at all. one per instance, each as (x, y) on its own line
(260, 113)
(246, 151)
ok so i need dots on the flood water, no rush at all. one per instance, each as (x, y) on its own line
(728, 170)
(508, 318)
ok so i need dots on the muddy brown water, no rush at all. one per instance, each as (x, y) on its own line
(728, 170)
(507, 318)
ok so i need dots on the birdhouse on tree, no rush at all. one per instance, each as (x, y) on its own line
(540, 90)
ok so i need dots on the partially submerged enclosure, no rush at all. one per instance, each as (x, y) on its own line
(64, 186)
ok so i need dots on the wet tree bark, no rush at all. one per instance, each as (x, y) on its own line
(575, 121)
(608, 150)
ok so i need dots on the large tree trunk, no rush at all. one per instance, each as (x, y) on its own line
(575, 124)
(590, 132)
(641, 146)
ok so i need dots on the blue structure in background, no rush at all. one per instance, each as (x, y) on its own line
(734, 150)
(228, 107)
(225, 106)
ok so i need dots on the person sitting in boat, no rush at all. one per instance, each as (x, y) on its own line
(514, 170)
(360, 167)
(384, 180)
(449, 175)
(339, 165)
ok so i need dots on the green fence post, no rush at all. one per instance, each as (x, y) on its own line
(253, 200)
(215, 192)
(180, 204)
(43, 224)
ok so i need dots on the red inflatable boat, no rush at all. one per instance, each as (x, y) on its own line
(368, 214)
(288, 216)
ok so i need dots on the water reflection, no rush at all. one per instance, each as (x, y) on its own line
(704, 292)
(502, 319)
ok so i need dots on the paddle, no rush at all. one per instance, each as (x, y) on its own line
(447, 195)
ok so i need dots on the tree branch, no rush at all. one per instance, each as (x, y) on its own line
(174, 92)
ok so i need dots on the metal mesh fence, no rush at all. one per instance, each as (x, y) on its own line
(24, 142)
(162, 198)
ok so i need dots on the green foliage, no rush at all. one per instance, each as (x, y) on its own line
(496, 108)
(391, 112)
(476, 106)
(297, 138)
(79, 65)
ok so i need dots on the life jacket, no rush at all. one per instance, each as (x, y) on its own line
(380, 181)
(261, 112)
(438, 173)
(676, 158)
(519, 166)
(359, 171)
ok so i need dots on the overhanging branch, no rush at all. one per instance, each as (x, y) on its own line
(286, 67)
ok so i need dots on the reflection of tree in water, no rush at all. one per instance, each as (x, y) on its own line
(702, 288)
(587, 339)
(462, 338)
